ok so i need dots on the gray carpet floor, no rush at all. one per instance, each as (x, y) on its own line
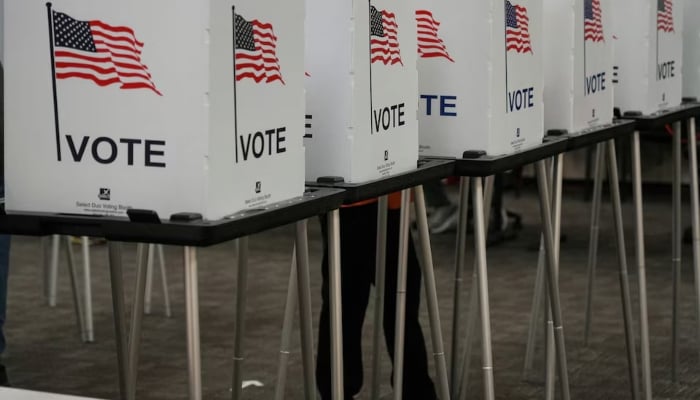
(45, 352)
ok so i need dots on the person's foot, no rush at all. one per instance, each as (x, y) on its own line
(444, 219)
(4, 379)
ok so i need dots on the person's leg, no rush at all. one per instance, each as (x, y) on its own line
(435, 195)
(358, 229)
(417, 384)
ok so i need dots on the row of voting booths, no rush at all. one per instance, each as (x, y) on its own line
(214, 107)
(123, 98)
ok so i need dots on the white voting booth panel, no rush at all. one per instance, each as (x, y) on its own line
(361, 89)
(691, 49)
(648, 54)
(187, 106)
(578, 46)
(481, 76)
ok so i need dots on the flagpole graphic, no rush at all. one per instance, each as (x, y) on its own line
(235, 78)
(53, 82)
(369, 42)
(505, 46)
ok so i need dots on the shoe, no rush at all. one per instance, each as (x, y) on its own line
(4, 379)
(444, 219)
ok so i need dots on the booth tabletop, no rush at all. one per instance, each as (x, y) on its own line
(428, 170)
(185, 233)
(490, 165)
(619, 128)
(659, 119)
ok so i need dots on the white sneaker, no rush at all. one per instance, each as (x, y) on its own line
(444, 219)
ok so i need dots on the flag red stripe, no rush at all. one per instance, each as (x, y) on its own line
(116, 29)
(82, 75)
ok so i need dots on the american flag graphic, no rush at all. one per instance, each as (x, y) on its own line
(517, 29)
(430, 45)
(664, 16)
(99, 52)
(384, 37)
(593, 21)
(255, 51)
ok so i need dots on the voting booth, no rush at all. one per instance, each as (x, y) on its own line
(578, 49)
(192, 108)
(361, 89)
(648, 54)
(481, 76)
(691, 49)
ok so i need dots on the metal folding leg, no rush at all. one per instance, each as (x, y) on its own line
(557, 179)
(400, 322)
(194, 358)
(482, 276)
(77, 303)
(553, 284)
(287, 328)
(379, 288)
(695, 209)
(164, 280)
(305, 311)
(153, 250)
(431, 295)
(457, 292)
(87, 290)
(118, 308)
(336, 304)
(622, 260)
(53, 270)
(241, 300)
(676, 249)
(598, 176)
(641, 266)
(473, 311)
(136, 318)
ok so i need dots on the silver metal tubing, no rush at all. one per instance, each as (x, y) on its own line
(553, 284)
(473, 311)
(695, 209)
(431, 294)
(53, 270)
(400, 322)
(87, 290)
(457, 293)
(241, 300)
(677, 248)
(137, 316)
(598, 176)
(118, 308)
(305, 311)
(194, 358)
(336, 305)
(287, 327)
(164, 281)
(538, 302)
(379, 289)
(480, 251)
(77, 303)
(557, 178)
(622, 260)
(641, 266)
(149, 280)
(538, 305)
